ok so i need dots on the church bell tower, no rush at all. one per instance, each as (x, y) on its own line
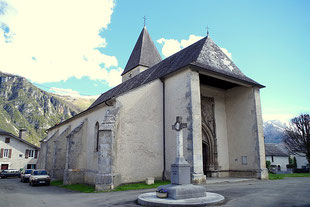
(143, 56)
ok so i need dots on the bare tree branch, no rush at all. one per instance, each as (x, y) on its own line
(297, 136)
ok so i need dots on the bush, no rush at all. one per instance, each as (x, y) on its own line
(268, 163)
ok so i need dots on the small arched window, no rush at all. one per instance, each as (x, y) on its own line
(97, 137)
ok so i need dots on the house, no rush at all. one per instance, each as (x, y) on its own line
(16, 152)
(126, 136)
(277, 155)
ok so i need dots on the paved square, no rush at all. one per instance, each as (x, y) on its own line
(286, 192)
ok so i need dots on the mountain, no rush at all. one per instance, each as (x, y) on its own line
(273, 131)
(23, 105)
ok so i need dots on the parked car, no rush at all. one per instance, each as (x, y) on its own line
(39, 177)
(9, 173)
(25, 175)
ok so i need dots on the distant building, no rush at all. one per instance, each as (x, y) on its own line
(301, 161)
(277, 156)
(17, 153)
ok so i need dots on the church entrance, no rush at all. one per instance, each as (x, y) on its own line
(209, 146)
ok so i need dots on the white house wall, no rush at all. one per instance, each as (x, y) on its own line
(18, 147)
(277, 160)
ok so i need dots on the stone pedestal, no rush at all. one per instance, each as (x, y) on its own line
(180, 172)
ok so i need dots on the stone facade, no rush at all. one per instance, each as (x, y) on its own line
(126, 136)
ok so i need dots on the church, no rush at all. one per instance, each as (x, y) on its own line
(126, 135)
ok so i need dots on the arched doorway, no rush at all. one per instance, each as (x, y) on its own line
(209, 146)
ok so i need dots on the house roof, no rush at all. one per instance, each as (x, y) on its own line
(205, 55)
(144, 53)
(274, 150)
(3, 132)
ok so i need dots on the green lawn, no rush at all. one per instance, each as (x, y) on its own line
(91, 189)
(142, 185)
(76, 187)
(281, 176)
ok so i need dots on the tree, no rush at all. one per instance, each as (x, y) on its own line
(297, 136)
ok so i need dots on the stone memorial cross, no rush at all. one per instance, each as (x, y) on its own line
(178, 126)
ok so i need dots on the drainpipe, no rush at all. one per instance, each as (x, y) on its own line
(164, 134)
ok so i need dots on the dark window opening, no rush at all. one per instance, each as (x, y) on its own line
(97, 136)
(7, 140)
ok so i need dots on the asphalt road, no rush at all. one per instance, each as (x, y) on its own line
(286, 192)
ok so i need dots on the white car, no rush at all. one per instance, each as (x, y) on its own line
(25, 175)
(39, 177)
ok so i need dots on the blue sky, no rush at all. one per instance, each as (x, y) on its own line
(268, 40)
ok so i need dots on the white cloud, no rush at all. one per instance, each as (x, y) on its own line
(70, 92)
(171, 46)
(53, 40)
(226, 52)
(284, 118)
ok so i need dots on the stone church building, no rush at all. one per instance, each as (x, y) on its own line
(126, 136)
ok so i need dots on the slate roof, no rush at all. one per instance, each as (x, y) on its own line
(144, 53)
(204, 55)
(3, 132)
(274, 150)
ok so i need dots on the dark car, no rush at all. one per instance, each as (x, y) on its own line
(25, 174)
(39, 177)
(9, 173)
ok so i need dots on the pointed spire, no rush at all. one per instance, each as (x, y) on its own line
(144, 53)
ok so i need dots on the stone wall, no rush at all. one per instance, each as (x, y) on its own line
(59, 154)
(182, 91)
(244, 132)
(140, 133)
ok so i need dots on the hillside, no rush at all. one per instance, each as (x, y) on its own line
(23, 105)
(273, 131)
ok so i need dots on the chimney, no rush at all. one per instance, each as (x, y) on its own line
(22, 133)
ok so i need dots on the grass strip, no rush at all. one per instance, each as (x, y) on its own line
(138, 186)
(83, 188)
(91, 189)
(281, 176)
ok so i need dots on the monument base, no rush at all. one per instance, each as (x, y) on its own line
(183, 191)
(150, 199)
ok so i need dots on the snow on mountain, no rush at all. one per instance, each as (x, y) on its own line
(273, 131)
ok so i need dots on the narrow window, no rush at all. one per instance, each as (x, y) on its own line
(272, 158)
(6, 153)
(7, 140)
(244, 160)
(97, 137)
(31, 153)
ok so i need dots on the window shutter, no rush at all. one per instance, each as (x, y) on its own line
(10, 153)
(1, 153)
(36, 154)
(26, 154)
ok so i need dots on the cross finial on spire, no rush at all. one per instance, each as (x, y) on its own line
(144, 18)
(207, 31)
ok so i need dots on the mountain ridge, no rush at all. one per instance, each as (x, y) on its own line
(23, 105)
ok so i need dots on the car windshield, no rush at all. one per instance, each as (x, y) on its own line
(36, 172)
(43, 172)
(28, 171)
